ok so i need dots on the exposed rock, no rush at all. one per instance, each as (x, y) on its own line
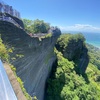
(75, 50)
(18, 22)
(32, 57)
(83, 61)
(55, 31)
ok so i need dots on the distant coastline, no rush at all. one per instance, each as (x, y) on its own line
(96, 44)
(91, 38)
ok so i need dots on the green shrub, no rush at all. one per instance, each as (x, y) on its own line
(36, 26)
(3, 51)
(65, 84)
(21, 83)
(23, 89)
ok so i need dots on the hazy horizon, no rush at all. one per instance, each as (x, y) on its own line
(68, 15)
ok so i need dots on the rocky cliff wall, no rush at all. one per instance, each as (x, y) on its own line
(12, 19)
(73, 48)
(32, 57)
(77, 51)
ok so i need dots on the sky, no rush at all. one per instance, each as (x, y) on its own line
(68, 15)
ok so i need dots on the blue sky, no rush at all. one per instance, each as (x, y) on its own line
(69, 15)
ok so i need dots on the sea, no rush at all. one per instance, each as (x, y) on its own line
(91, 38)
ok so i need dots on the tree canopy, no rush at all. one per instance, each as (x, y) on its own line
(36, 26)
(65, 84)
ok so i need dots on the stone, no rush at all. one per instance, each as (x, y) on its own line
(32, 58)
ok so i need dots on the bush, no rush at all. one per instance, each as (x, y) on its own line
(65, 84)
(3, 51)
(36, 26)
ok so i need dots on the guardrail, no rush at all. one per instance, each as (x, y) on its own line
(6, 90)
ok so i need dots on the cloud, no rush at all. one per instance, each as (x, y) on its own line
(81, 27)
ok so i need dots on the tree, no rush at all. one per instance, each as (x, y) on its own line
(36, 26)
(64, 83)
(28, 25)
(40, 26)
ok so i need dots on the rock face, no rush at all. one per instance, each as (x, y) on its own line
(73, 49)
(55, 31)
(76, 50)
(18, 22)
(32, 57)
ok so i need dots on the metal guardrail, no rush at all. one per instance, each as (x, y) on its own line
(6, 90)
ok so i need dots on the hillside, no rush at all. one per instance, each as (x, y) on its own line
(94, 54)
(68, 65)
(66, 81)
(32, 57)
(41, 62)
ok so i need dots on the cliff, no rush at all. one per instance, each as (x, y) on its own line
(68, 77)
(73, 48)
(32, 57)
(19, 21)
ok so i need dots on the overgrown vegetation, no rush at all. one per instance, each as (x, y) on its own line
(65, 39)
(45, 36)
(3, 51)
(4, 56)
(94, 54)
(21, 83)
(36, 26)
(23, 89)
(66, 84)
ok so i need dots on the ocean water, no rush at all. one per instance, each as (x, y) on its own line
(92, 38)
